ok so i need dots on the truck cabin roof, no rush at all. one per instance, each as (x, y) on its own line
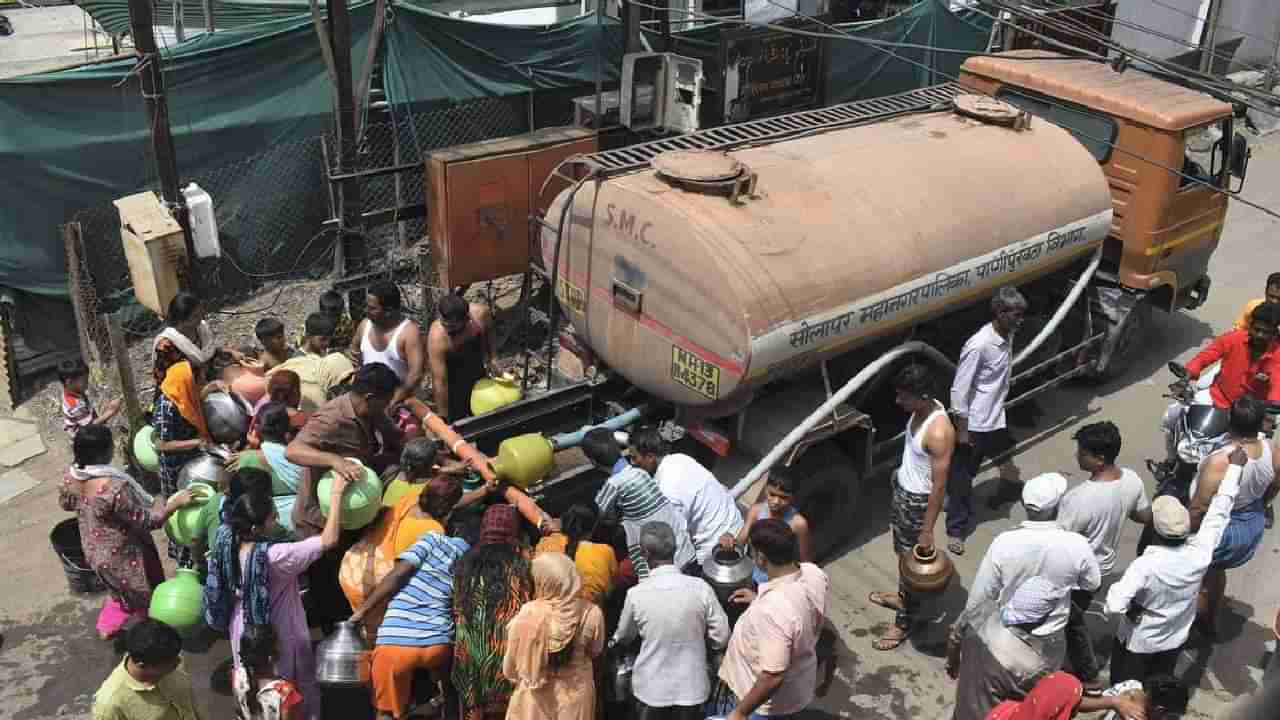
(1132, 94)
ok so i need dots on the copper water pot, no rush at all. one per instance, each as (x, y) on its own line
(926, 572)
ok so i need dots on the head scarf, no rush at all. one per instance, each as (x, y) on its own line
(1053, 698)
(547, 624)
(1032, 602)
(499, 526)
(180, 387)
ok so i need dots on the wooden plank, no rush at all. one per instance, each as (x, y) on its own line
(127, 386)
(95, 347)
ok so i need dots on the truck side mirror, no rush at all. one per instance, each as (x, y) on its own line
(1240, 154)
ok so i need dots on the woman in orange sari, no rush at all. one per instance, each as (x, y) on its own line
(596, 562)
(415, 513)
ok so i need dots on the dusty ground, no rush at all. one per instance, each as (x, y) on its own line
(51, 663)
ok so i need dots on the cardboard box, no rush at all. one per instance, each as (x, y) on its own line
(153, 247)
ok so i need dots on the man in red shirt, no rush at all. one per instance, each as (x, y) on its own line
(1250, 360)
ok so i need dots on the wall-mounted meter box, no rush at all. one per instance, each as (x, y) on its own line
(661, 91)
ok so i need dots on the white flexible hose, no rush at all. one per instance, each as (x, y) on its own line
(870, 371)
(1081, 283)
(825, 409)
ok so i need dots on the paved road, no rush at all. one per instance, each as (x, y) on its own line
(51, 663)
(911, 682)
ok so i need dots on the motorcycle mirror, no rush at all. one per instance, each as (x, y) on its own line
(1179, 371)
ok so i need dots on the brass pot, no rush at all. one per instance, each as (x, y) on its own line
(926, 573)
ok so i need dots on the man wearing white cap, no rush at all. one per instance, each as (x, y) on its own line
(1156, 597)
(1036, 548)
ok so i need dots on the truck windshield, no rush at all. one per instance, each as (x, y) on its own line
(1096, 132)
(1205, 155)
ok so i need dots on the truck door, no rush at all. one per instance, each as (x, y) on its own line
(1188, 233)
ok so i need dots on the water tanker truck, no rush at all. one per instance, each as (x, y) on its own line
(753, 286)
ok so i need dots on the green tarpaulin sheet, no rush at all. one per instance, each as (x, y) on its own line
(432, 58)
(78, 139)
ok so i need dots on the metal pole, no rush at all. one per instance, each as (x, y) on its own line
(179, 32)
(350, 205)
(599, 113)
(1210, 37)
(208, 15)
(152, 81)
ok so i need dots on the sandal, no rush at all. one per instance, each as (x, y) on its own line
(886, 643)
(887, 600)
(955, 546)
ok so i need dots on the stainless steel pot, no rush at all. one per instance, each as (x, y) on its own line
(209, 468)
(617, 675)
(227, 417)
(727, 571)
(341, 658)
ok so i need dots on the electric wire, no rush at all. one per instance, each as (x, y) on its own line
(1195, 79)
(1274, 42)
(840, 34)
(1230, 59)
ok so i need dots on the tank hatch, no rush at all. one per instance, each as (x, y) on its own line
(711, 172)
(989, 110)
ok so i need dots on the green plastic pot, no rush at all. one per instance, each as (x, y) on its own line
(188, 523)
(361, 500)
(179, 602)
(144, 449)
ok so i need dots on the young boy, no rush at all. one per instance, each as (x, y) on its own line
(332, 304)
(780, 495)
(275, 349)
(77, 411)
(149, 683)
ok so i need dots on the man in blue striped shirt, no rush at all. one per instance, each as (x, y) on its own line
(635, 497)
(417, 630)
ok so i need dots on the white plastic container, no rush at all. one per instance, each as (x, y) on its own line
(204, 228)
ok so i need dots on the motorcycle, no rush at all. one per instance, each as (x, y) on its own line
(1200, 429)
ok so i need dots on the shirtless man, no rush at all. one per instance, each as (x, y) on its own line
(386, 336)
(1258, 486)
(462, 350)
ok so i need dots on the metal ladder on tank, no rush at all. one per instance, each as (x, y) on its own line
(598, 166)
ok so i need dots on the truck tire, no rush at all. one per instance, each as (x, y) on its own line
(1131, 315)
(828, 483)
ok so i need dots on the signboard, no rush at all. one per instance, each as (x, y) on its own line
(768, 72)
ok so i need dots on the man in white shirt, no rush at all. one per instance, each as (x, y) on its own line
(1036, 548)
(1156, 597)
(676, 617)
(1097, 509)
(707, 506)
(978, 393)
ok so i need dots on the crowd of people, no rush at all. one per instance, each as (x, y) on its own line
(476, 603)
(1025, 619)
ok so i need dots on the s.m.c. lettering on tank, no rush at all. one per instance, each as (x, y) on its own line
(629, 225)
(695, 373)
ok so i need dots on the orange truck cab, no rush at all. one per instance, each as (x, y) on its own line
(1166, 225)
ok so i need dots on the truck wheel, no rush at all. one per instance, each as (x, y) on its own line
(827, 488)
(1122, 346)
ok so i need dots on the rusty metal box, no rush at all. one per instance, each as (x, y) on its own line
(480, 196)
